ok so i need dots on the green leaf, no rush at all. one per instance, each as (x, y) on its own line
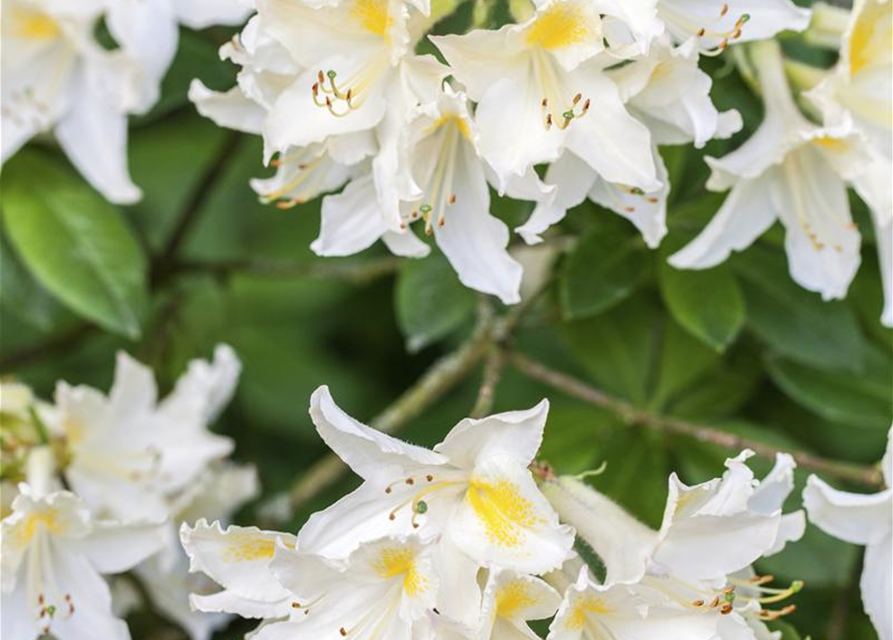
(75, 243)
(794, 322)
(708, 304)
(24, 298)
(430, 301)
(605, 268)
(860, 401)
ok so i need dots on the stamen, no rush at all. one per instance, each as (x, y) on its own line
(567, 116)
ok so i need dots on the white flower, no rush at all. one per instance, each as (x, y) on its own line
(147, 31)
(592, 611)
(382, 591)
(53, 556)
(129, 451)
(238, 559)
(217, 493)
(859, 94)
(541, 78)
(510, 600)
(57, 77)
(474, 491)
(864, 520)
(718, 23)
(790, 170)
(710, 535)
(669, 94)
(860, 89)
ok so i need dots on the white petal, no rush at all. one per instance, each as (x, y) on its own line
(570, 30)
(406, 244)
(774, 489)
(94, 131)
(504, 521)
(232, 109)
(745, 215)
(481, 58)
(877, 586)
(473, 241)
(572, 179)
(351, 220)
(459, 596)
(364, 449)
(206, 387)
(856, 518)
(114, 548)
(200, 14)
(515, 434)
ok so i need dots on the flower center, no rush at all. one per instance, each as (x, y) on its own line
(513, 597)
(374, 16)
(341, 98)
(561, 25)
(394, 562)
(34, 25)
(559, 106)
(686, 22)
(502, 509)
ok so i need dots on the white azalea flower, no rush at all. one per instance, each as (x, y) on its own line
(217, 493)
(148, 33)
(860, 89)
(671, 95)
(591, 611)
(790, 170)
(718, 23)
(129, 451)
(238, 559)
(57, 77)
(710, 535)
(53, 556)
(510, 601)
(865, 520)
(541, 78)
(858, 93)
(474, 491)
(382, 591)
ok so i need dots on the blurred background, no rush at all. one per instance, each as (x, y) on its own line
(740, 348)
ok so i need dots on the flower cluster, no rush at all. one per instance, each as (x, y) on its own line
(471, 540)
(98, 484)
(342, 99)
(58, 76)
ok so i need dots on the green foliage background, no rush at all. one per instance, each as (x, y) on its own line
(200, 261)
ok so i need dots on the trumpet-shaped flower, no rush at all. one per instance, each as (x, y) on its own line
(543, 77)
(710, 535)
(128, 451)
(382, 591)
(715, 24)
(865, 520)
(790, 170)
(57, 77)
(53, 556)
(239, 560)
(473, 492)
(510, 601)
(667, 92)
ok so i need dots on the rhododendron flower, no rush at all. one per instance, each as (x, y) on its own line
(54, 553)
(865, 520)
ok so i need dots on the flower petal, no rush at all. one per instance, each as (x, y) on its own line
(853, 517)
(877, 586)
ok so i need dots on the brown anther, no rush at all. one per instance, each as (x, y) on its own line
(453, 199)
(653, 200)
(585, 106)
(315, 88)
(302, 166)
(410, 481)
(415, 525)
(697, 603)
(295, 605)
(392, 516)
(402, 225)
(630, 209)
(388, 490)
(441, 221)
(429, 477)
(724, 10)
(726, 610)
(701, 32)
(714, 603)
(577, 98)
(320, 77)
(545, 103)
(342, 631)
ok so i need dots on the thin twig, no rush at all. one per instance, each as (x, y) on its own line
(163, 264)
(493, 367)
(840, 613)
(870, 477)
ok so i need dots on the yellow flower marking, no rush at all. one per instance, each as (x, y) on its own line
(582, 607)
(502, 509)
(33, 523)
(246, 548)
(872, 39)
(454, 120)
(373, 15)
(561, 25)
(513, 597)
(393, 562)
(831, 144)
(35, 25)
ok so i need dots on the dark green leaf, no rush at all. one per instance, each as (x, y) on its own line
(75, 243)
(431, 302)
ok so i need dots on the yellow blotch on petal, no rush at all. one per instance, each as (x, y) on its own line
(561, 25)
(502, 509)
(871, 42)
(836, 145)
(33, 523)
(34, 25)
(373, 15)
(394, 562)
(453, 120)
(249, 549)
(583, 607)
(512, 598)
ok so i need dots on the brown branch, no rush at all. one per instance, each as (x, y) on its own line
(867, 476)
(493, 367)
(357, 272)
